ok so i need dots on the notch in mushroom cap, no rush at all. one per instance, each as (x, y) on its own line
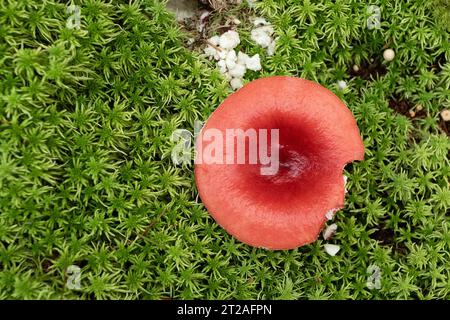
(318, 136)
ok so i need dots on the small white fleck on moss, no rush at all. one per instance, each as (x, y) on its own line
(229, 40)
(445, 114)
(332, 249)
(236, 83)
(223, 54)
(342, 84)
(260, 22)
(214, 40)
(253, 63)
(271, 48)
(261, 37)
(329, 231)
(212, 53)
(388, 54)
(330, 214)
(231, 59)
(222, 66)
(238, 71)
(242, 57)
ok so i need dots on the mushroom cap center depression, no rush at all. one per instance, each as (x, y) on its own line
(305, 157)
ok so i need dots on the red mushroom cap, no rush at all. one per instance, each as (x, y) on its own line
(318, 136)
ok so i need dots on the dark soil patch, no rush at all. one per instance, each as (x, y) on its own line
(406, 108)
(46, 265)
(445, 126)
(438, 63)
(415, 137)
(47, 262)
(400, 106)
(401, 248)
(386, 237)
(83, 263)
(369, 69)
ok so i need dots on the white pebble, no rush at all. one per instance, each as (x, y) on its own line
(329, 231)
(229, 40)
(212, 53)
(223, 54)
(231, 59)
(260, 22)
(388, 54)
(214, 40)
(236, 83)
(342, 84)
(267, 29)
(242, 57)
(238, 71)
(222, 66)
(253, 63)
(271, 48)
(332, 249)
(261, 37)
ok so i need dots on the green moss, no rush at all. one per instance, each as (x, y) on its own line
(86, 178)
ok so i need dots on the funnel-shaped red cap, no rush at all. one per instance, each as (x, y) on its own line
(317, 137)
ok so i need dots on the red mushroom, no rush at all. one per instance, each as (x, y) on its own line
(318, 136)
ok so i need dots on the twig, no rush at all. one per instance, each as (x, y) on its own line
(213, 45)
